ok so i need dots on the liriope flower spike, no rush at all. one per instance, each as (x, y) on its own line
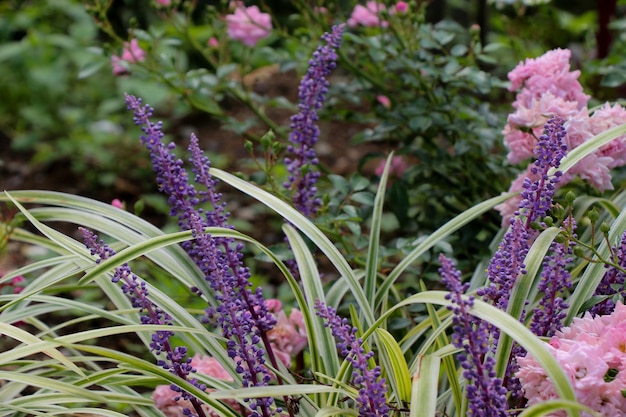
(372, 387)
(176, 360)
(302, 180)
(486, 395)
(242, 314)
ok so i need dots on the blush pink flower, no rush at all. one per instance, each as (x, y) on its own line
(288, 337)
(248, 25)
(368, 15)
(384, 100)
(606, 118)
(164, 3)
(592, 352)
(549, 88)
(396, 170)
(547, 73)
(213, 42)
(131, 54)
(165, 398)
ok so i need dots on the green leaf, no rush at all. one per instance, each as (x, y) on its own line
(393, 361)
(424, 388)
(302, 223)
(90, 69)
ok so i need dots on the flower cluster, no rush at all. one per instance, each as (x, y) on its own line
(486, 395)
(131, 54)
(591, 352)
(548, 88)
(368, 15)
(304, 130)
(396, 170)
(248, 25)
(372, 387)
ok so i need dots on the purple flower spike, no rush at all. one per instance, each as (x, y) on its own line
(549, 151)
(486, 395)
(508, 262)
(176, 360)
(304, 130)
(555, 279)
(242, 314)
(372, 388)
(612, 283)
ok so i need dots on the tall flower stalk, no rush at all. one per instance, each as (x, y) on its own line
(176, 360)
(241, 313)
(302, 180)
(371, 401)
(538, 190)
(486, 396)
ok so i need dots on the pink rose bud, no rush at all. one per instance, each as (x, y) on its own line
(117, 203)
(213, 42)
(402, 7)
(384, 100)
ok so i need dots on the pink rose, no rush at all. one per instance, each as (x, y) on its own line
(165, 398)
(248, 25)
(288, 336)
(368, 15)
(164, 3)
(606, 118)
(397, 168)
(548, 73)
(131, 54)
(586, 351)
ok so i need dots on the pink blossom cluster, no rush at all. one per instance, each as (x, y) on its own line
(369, 15)
(131, 54)
(592, 352)
(547, 87)
(288, 338)
(248, 24)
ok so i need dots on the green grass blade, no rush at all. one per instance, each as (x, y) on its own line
(371, 263)
(440, 234)
(394, 363)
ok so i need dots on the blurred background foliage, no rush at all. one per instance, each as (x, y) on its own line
(442, 66)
